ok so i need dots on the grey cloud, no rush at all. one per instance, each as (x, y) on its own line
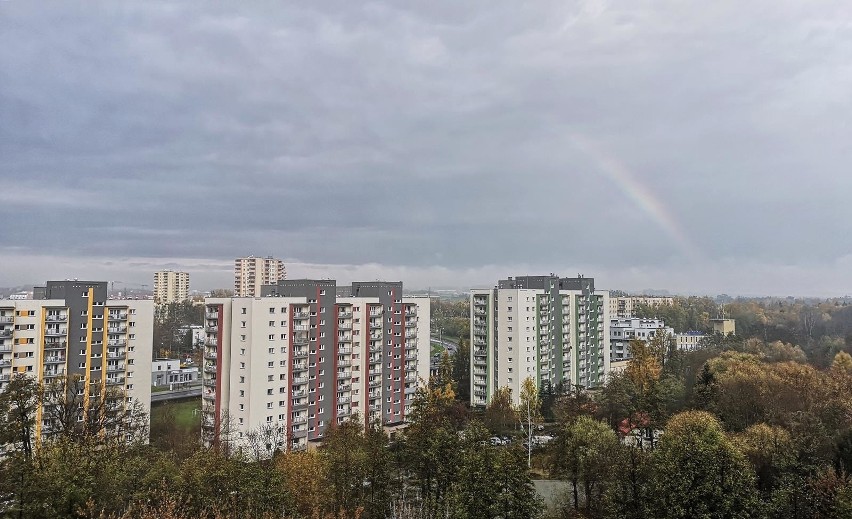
(428, 136)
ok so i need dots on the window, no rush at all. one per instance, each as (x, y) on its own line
(242, 392)
(272, 310)
(269, 378)
(131, 324)
(269, 391)
(271, 323)
(242, 407)
(242, 338)
(269, 405)
(270, 364)
(244, 311)
(242, 380)
(132, 336)
(271, 336)
(242, 351)
(242, 365)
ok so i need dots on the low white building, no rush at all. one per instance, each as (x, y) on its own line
(166, 372)
(624, 330)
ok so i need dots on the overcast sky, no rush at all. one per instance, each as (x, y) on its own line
(695, 147)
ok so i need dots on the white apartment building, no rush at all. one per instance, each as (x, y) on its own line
(623, 330)
(303, 357)
(170, 287)
(551, 329)
(623, 307)
(70, 328)
(250, 274)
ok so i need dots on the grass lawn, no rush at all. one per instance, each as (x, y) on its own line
(187, 413)
(437, 348)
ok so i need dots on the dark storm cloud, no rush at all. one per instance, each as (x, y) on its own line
(430, 135)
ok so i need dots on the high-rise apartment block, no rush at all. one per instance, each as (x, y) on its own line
(170, 287)
(551, 329)
(250, 274)
(308, 354)
(71, 328)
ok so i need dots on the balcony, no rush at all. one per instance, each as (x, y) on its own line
(117, 342)
(55, 331)
(209, 395)
(4, 377)
(344, 364)
(343, 399)
(49, 360)
(6, 319)
(115, 380)
(344, 350)
(375, 372)
(375, 383)
(344, 326)
(117, 329)
(115, 368)
(211, 341)
(5, 333)
(213, 329)
(344, 387)
(300, 366)
(57, 318)
(375, 336)
(344, 339)
(300, 392)
(410, 324)
(210, 368)
(299, 420)
(300, 380)
(211, 315)
(344, 374)
(58, 372)
(300, 341)
(300, 315)
(5, 348)
(117, 316)
(209, 382)
(5, 362)
(300, 353)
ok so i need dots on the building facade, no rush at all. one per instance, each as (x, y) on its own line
(306, 355)
(624, 307)
(623, 330)
(250, 274)
(170, 372)
(71, 329)
(551, 329)
(170, 287)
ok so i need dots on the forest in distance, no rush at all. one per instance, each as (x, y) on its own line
(757, 425)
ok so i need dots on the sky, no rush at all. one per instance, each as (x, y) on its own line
(692, 147)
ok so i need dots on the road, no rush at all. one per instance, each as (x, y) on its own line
(448, 344)
(177, 394)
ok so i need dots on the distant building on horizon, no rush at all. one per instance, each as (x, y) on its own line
(551, 329)
(170, 287)
(625, 306)
(251, 273)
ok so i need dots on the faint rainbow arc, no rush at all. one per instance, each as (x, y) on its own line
(621, 176)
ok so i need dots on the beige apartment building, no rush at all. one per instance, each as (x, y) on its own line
(251, 273)
(170, 287)
(308, 354)
(623, 307)
(71, 328)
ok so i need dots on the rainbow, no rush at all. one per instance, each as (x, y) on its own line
(624, 179)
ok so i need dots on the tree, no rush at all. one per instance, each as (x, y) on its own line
(699, 472)
(643, 368)
(19, 403)
(529, 412)
(842, 363)
(583, 453)
(461, 370)
(500, 415)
